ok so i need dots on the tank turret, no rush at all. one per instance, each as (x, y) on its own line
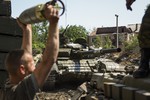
(76, 62)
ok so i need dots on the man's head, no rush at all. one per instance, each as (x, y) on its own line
(19, 63)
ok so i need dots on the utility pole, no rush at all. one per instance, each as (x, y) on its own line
(117, 28)
(66, 13)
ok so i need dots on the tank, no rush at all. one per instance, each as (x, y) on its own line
(81, 72)
(85, 73)
(76, 63)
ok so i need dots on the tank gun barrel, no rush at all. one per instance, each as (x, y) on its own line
(113, 50)
(92, 53)
(101, 51)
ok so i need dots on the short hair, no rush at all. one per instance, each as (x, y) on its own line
(14, 60)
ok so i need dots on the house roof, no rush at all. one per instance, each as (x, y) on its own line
(107, 30)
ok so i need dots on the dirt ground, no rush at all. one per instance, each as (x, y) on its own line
(131, 57)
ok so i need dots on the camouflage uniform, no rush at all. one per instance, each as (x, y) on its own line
(144, 44)
(144, 34)
(24, 90)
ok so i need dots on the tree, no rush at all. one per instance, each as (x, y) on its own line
(40, 31)
(74, 32)
(108, 42)
(97, 42)
(133, 43)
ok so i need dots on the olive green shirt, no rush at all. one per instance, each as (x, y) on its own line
(25, 90)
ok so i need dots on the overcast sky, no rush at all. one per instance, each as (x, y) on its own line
(91, 13)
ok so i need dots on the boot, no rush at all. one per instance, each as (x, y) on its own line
(143, 69)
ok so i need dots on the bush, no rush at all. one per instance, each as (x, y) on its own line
(133, 43)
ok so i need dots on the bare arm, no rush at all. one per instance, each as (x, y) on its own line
(52, 46)
(27, 36)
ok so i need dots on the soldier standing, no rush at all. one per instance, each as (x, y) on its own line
(144, 43)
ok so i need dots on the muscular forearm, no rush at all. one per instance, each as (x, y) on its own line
(52, 45)
(27, 40)
(49, 55)
(27, 36)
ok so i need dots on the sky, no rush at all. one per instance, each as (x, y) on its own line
(90, 13)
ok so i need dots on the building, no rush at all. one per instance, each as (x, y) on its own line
(125, 33)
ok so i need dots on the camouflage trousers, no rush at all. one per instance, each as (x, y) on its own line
(144, 33)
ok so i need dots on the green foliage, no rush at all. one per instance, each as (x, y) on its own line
(108, 43)
(40, 31)
(97, 42)
(129, 45)
(38, 47)
(102, 41)
(73, 32)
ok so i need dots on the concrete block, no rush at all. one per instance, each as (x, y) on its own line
(128, 93)
(117, 91)
(142, 95)
(108, 89)
(97, 78)
(140, 83)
